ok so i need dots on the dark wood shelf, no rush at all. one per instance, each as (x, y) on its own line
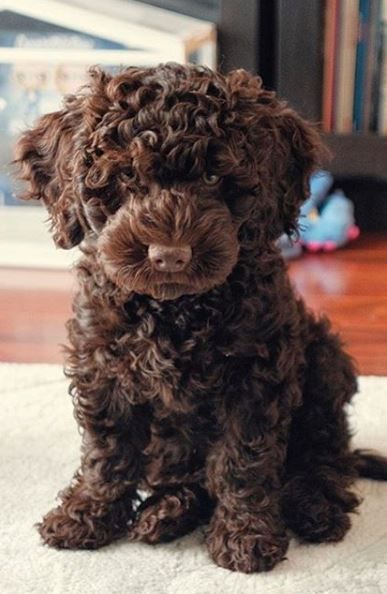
(358, 155)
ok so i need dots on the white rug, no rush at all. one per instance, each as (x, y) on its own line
(39, 451)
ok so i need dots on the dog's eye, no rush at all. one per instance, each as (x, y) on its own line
(210, 179)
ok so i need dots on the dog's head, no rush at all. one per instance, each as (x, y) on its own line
(174, 171)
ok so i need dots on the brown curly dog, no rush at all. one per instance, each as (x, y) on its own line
(198, 376)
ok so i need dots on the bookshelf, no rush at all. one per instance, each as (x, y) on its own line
(299, 78)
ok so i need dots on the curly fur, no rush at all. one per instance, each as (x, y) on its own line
(212, 389)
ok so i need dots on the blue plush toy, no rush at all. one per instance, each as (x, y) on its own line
(326, 220)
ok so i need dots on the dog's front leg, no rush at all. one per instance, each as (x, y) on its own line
(98, 505)
(244, 470)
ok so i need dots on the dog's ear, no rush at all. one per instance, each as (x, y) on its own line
(45, 158)
(296, 152)
(284, 148)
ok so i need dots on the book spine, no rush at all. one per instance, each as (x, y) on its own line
(346, 63)
(382, 115)
(377, 71)
(361, 64)
(330, 47)
(371, 65)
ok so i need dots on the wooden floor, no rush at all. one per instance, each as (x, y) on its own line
(350, 285)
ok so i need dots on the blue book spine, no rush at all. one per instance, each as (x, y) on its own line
(361, 63)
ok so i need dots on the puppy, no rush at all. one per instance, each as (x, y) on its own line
(197, 375)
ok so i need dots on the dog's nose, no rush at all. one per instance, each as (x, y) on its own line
(169, 258)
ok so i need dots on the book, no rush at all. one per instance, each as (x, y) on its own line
(371, 77)
(345, 65)
(361, 64)
(382, 111)
(332, 15)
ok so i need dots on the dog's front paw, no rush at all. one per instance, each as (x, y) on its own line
(247, 549)
(70, 527)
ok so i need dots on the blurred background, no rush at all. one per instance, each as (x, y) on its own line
(328, 58)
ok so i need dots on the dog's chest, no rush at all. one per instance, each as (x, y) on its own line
(169, 358)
